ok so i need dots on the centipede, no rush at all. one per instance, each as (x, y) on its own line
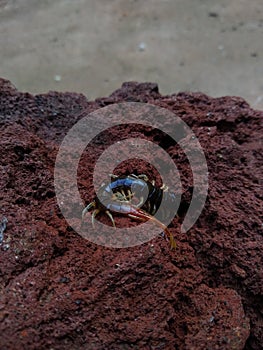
(134, 196)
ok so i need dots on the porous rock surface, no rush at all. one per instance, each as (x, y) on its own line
(61, 291)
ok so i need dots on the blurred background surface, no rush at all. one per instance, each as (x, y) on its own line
(93, 46)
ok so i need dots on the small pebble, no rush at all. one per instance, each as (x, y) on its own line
(57, 77)
(64, 280)
(142, 46)
(211, 319)
(213, 14)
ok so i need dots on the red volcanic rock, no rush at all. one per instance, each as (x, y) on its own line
(60, 291)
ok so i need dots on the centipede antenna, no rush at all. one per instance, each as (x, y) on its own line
(111, 217)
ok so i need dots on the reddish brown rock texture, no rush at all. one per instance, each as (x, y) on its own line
(60, 291)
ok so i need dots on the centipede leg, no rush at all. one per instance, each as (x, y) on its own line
(136, 217)
(124, 195)
(111, 217)
(164, 187)
(88, 207)
(96, 211)
(130, 195)
(165, 229)
(170, 235)
(143, 177)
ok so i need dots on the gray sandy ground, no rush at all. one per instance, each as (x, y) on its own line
(92, 46)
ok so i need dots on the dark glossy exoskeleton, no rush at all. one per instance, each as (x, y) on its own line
(136, 197)
(156, 197)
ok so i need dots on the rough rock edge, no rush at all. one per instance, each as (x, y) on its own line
(35, 121)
